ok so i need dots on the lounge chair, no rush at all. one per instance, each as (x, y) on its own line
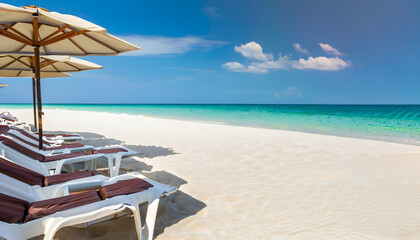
(33, 215)
(23, 181)
(47, 148)
(7, 116)
(44, 163)
(49, 139)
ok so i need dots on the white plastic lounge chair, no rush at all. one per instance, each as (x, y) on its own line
(49, 138)
(47, 148)
(43, 162)
(26, 213)
(49, 186)
(7, 116)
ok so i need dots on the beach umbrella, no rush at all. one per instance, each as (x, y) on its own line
(22, 65)
(35, 30)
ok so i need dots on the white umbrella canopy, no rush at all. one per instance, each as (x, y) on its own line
(48, 64)
(32, 29)
(58, 34)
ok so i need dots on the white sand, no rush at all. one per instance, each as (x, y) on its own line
(249, 183)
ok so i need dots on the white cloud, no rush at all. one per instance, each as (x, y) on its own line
(321, 63)
(160, 45)
(211, 12)
(300, 49)
(329, 49)
(259, 67)
(266, 63)
(289, 92)
(234, 66)
(253, 50)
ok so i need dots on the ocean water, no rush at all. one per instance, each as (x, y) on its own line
(394, 123)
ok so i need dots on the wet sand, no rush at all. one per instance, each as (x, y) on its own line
(249, 183)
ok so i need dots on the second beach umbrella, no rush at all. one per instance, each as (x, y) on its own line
(14, 65)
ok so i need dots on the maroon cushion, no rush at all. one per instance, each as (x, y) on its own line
(64, 177)
(47, 207)
(20, 173)
(4, 129)
(16, 146)
(62, 156)
(111, 150)
(124, 187)
(12, 210)
(35, 155)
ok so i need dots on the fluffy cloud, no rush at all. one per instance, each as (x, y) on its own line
(259, 67)
(300, 49)
(289, 92)
(321, 63)
(263, 63)
(253, 51)
(159, 45)
(235, 67)
(329, 49)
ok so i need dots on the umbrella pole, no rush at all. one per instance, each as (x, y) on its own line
(34, 101)
(38, 77)
(38, 94)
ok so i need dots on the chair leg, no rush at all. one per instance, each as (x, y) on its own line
(50, 232)
(151, 218)
(137, 221)
(110, 165)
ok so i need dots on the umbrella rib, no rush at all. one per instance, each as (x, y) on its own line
(52, 64)
(18, 50)
(61, 37)
(14, 37)
(77, 45)
(14, 60)
(18, 59)
(17, 32)
(23, 46)
(103, 44)
(74, 43)
(45, 63)
(54, 33)
(73, 66)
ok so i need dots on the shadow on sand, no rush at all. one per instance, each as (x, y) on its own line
(172, 209)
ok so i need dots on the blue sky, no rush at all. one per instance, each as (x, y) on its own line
(302, 51)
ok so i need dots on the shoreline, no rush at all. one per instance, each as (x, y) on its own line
(232, 124)
(229, 124)
(238, 182)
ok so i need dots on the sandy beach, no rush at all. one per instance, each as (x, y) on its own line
(250, 183)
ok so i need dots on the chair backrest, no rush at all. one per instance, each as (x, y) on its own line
(29, 135)
(24, 150)
(20, 173)
(12, 209)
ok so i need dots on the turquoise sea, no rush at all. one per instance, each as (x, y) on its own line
(394, 123)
